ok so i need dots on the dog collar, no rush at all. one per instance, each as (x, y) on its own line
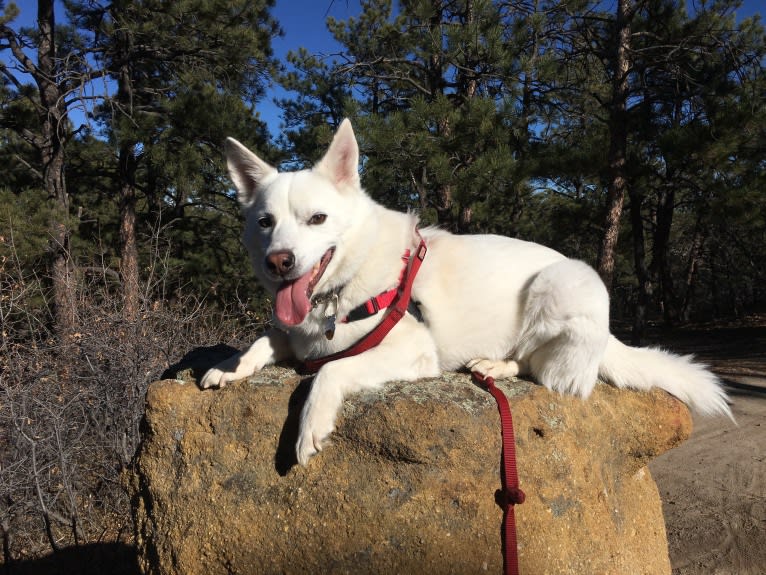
(370, 307)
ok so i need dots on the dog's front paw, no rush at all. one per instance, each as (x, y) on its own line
(310, 442)
(214, 377)
(236, 367)
(317, 423)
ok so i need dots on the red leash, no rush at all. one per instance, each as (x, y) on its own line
(509, 495)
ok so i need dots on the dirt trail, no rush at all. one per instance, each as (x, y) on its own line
(713, 489)
(713, 486)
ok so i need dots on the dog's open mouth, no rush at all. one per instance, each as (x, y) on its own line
(293, 301)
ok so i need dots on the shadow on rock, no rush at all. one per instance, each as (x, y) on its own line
(195, 363)
(94, 559)
(192, 366)
(285, 457)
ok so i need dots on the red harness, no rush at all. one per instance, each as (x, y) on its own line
(397, 302)
(396, 309)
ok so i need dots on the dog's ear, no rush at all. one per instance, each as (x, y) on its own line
(246, 170)
(341, 161)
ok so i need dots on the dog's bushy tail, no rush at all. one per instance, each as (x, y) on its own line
(644, 368)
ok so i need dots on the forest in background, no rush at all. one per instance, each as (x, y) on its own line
(630, 134)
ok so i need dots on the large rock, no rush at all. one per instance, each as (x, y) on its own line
(407, 485)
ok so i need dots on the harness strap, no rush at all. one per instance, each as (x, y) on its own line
(509, 495)
(380, 301)
(396, 311)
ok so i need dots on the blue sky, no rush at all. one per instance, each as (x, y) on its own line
(303, 22)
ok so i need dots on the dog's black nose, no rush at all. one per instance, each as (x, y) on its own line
(280, 262)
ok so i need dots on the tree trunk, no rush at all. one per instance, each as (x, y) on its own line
(445, 201)
(618, 144)
(642, 273)
(127, 199)
(53, 136)
(128, 246)
(444, 193)
(465, 220)
(660, 260)
(470, 85)
(695, 256)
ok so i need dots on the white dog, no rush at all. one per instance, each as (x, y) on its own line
(331, 257)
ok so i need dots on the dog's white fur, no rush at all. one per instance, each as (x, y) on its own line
(496, 305)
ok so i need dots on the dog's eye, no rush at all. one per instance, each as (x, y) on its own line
(317, 219)
(266, 221)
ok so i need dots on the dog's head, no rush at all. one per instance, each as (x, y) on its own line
(294, 221)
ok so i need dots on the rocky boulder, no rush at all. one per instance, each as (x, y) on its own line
(407, 485)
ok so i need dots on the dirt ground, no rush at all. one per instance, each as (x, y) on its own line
(713, 486)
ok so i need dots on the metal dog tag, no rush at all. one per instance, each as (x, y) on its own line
(329, 327)
(329, 317)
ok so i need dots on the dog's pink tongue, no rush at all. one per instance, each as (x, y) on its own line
(292, 304)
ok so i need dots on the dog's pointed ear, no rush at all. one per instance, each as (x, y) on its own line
(246, 170)
(341, 161)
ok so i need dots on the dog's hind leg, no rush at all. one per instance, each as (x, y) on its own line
(565, 327)
(497, 369)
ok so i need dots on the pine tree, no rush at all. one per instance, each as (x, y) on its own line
(691, 106)
(186, 75)
(647, 128)
(55, 80)
(435, 89)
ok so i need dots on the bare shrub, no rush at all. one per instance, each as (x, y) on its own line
(70, 410)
